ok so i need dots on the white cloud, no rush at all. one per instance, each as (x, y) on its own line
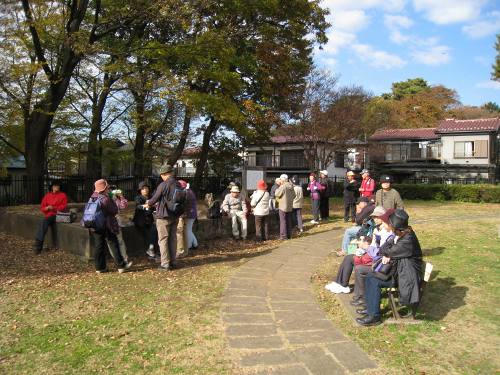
(377, 58)
(337, 40)
(396, 22)
(485, 27)
(432, 55)
(449, 11)
(386, 5)
(349, 20)
(495, 85)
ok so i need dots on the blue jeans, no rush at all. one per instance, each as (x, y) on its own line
(315, 209)
(373, 293)
(349, 235)
(191, 238)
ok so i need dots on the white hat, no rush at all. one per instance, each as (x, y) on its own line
(325, 172)
(284, 177)
(235, 189)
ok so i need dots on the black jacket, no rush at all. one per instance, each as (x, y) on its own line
(365, 213)
(163, 192)
(351, 190)
(406, 256)
(142, 217)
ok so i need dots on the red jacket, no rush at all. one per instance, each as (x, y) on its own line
(367, 187)
(58, 201)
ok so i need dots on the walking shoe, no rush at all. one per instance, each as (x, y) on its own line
(150, 251)
(362, 311)
(102, 271)
(359, 302)
(125, 267)
(173, 266)
(368, 321)
(314, 222)
(164, 267)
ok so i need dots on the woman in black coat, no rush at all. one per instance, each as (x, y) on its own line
(405, 257)
(144, 220)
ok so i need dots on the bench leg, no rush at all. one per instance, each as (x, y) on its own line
(392, 304)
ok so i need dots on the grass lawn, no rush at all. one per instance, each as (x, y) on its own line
(461, 329)
(58, 316)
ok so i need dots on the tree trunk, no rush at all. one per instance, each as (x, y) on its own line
(205, 148)
(140, 105)
(183, 138)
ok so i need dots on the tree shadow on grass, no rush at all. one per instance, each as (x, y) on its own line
(433, 251)
(441, 296)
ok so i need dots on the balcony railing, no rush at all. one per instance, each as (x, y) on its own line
(277, 161)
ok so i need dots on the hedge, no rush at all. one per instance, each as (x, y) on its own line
(461, 193)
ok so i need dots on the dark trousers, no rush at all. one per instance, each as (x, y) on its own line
(42, 231)
(100, 241)
(345, 270)
(360, 273)
(285, 225)
(373, 293)
(297, 218)
(262, 228)
(149, 234)
(315, 209)
(349, 208)
(324, 207)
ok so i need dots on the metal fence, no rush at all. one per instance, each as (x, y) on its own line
(446, 181)
(18, 190)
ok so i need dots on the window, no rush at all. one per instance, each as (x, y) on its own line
(395, 152)
(340, 160)
(264, 159)
(292, 159)
(471, 149)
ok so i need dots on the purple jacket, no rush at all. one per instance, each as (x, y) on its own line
(191, 211)
(110, 210)
(315, 188)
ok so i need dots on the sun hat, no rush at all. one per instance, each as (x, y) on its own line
(365, 171)
(378, 211)
(261, 185)
(100, 185)
(235, 189)
(385, 217)
(284, 177)
(324, 171)
(399, 219)
(165, 168)
(385, 178)
(350, 173)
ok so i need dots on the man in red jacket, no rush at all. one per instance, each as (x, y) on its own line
(55, 200)
(367, 185)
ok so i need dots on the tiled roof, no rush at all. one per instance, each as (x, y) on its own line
(469, 126)
(418, 133)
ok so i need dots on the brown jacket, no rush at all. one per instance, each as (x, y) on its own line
(285, 195)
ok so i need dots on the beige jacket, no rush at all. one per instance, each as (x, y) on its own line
(285, 195)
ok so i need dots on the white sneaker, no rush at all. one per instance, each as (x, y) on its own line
(345, 289)
(125, 268)
(333, 287)
(150, 252)
(314, 222)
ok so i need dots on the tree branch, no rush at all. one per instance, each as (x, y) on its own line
(4, 140)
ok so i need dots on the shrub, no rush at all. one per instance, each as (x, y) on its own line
(460, 193)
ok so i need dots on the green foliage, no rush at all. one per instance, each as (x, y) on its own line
(408, 87)
(461, 193)
(496, 66)
(491, 107)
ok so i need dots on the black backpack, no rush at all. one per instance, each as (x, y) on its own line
(176, 204)
(214, 211)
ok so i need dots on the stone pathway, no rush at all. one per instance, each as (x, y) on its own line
(272, 322)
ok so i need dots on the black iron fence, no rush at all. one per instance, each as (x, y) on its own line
(18, 190)
(446, 181)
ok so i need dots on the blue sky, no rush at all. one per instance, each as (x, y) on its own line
(373, 43)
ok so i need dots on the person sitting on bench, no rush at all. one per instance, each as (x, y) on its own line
(404, 255)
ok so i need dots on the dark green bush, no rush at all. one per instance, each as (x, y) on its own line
(460, 193)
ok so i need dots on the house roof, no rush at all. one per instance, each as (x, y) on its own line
(483, 125)
(409, 134)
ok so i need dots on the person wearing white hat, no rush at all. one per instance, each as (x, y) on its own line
(285, 195)
(236, 208)
(325, 195)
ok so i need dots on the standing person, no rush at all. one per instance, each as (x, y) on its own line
(186, 221)
(367, 184)
(298, 203)
(144, 220)
(104, 227)
(260, 206)
(351, 188)
(315, 188)
(122, 203)
(236, 208)
(166, 220)
(325, 195)
(55, 200)
(272, 202)
(285, 195)
(388, 197)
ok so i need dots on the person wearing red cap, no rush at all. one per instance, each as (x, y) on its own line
(260, 207)
(108, 234)
(55, 200)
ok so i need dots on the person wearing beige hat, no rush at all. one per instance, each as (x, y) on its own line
(235, 206)
(105, 233)
(166, 221)
(325, 195)
(351, 188)
(285, 195)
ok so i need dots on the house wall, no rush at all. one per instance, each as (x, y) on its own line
(448, 149)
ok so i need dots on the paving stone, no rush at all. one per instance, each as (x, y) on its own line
(236, 300)
(236, 292)
(295, 306)
(305, 325)
(288, 316)
(235, 309)
(248, 318)
(251, 330)
(317, 361)
(270, 357)
(247, 283)
(315, 337)
(291, 295)
(288, 370)
(263, 342)
(351, 356)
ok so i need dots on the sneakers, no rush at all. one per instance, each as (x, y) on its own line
(125, 267)
(337, 288)
(151, 251)
(102, 271)
(314, 222)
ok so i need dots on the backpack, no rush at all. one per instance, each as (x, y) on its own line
(214, 211)
(93, 215)
(176, 205)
